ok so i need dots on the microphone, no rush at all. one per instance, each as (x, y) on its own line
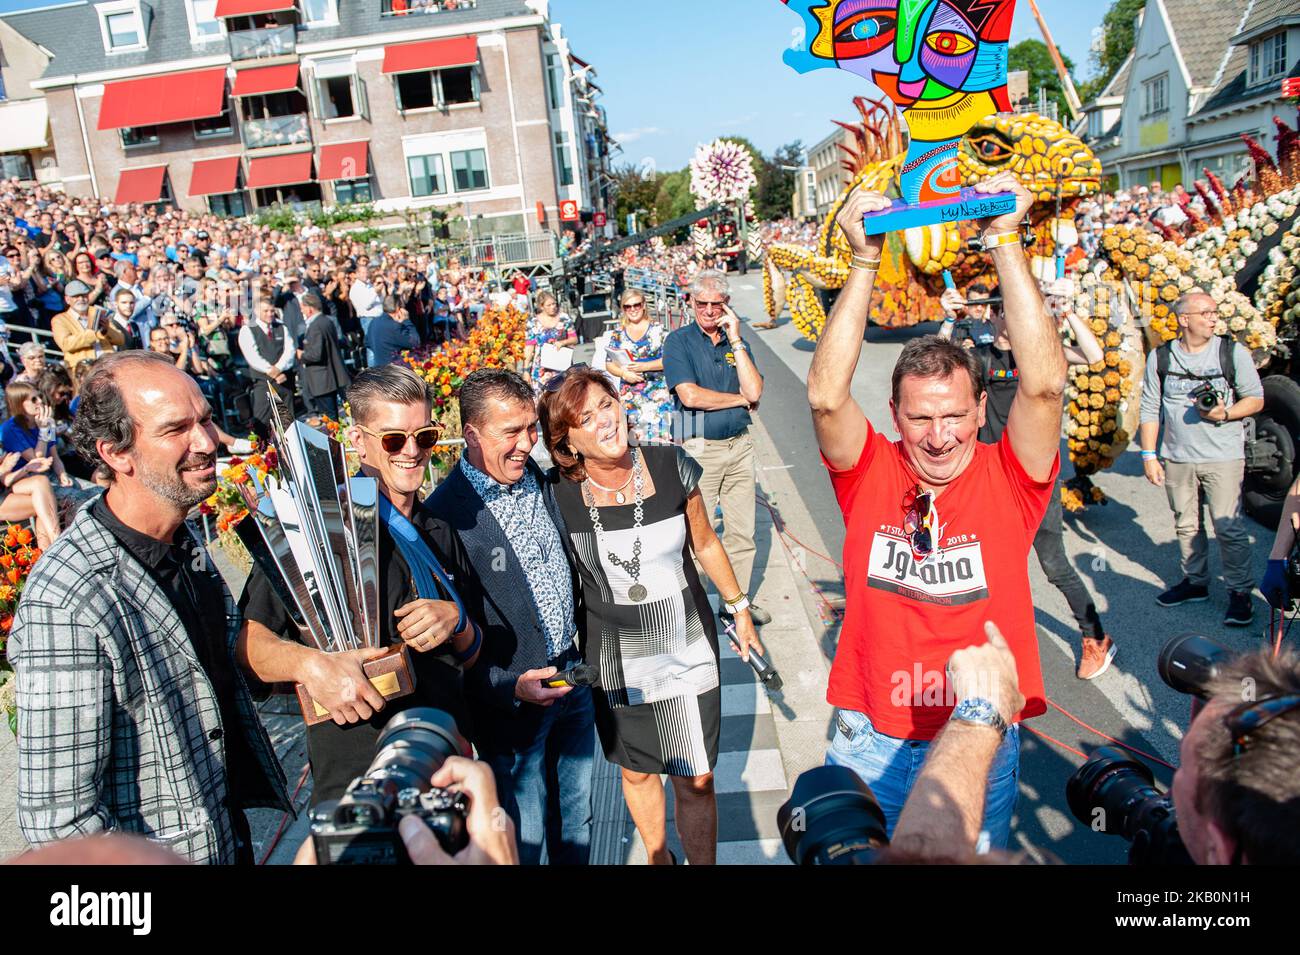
(767, 673)
(581, 675)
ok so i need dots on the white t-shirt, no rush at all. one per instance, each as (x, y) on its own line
(6, 293)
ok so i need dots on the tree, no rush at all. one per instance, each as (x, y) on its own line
(776, 185)
(635, 191)
(1033, 56)
(1119, 34)
(674, 198)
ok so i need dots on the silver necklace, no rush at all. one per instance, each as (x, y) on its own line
(619, 496)
(637, 592)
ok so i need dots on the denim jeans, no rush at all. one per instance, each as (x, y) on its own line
(546, 786)
(890, 767)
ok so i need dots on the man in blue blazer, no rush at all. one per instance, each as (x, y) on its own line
(503, 508)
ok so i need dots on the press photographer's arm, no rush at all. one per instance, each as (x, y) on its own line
(942, 818)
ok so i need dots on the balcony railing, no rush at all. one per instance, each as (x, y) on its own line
(404, 8)
(276, 131)
(262, 44)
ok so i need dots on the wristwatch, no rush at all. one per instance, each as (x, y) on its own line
(981, 712)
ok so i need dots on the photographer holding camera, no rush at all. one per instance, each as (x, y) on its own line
(1200, 387)
(1237, 789)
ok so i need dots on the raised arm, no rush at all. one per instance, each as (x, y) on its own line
(838, 420)
(1034, 423)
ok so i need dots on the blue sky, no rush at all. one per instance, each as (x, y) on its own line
(680, 72)
(697, 69)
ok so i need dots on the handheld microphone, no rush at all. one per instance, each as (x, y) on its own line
(767, 673)
(581, 675)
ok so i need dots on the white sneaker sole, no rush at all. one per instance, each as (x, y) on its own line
(1105, 665)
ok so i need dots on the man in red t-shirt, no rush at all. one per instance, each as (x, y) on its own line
(939, 526)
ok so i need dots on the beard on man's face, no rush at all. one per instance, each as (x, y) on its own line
(171, 483)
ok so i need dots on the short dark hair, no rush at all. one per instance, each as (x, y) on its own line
(1254, 795)
(391, 304)
(491, 384)
(101, 412)
(385, 384)
(933, 357)
(312, 300)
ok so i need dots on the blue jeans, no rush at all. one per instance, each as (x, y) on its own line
(365, 334)
(890, 766)
(546, 786)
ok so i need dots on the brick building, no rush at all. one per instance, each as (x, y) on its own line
(239, 104)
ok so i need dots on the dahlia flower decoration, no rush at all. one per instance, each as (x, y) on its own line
(722, 172)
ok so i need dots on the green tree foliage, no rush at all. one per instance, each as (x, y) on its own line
(674, 198)
(1119, 30)
(1032, 55)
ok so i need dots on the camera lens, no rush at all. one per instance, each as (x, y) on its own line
(414, 745)
(1188, 663)
(831, 818)
(1114, 793)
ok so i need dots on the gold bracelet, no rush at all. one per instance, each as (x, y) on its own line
(998, 239)
(869, 265)
(734, 600)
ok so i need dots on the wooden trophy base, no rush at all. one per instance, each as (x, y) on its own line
(390, 674)
(967, 204)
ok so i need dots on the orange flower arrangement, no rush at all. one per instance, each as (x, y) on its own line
(18, 554)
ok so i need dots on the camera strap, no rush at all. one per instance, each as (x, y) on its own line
(1227, 365)
(419, 556)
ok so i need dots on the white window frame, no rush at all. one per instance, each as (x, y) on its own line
(106, 10)
(1149, 89)
(331, 20)
(198, 38)
(1265, 63)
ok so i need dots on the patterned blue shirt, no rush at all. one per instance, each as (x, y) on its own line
(523, 517)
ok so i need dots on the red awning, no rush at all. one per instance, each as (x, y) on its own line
(265, 79)
(246, 8)
(431, 54)
(214, 177)
(144, 184)
(342, 161)
(279, 170)
(170, 98)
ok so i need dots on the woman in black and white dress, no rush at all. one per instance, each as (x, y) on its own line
(635, 517)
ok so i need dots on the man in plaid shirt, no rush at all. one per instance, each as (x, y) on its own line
(132, 714)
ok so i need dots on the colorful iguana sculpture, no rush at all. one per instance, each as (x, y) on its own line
(1056, 167)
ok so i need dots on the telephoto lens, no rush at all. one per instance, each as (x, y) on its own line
(361, 828)
(1115, 794)
(1189, 663)
(832, 818)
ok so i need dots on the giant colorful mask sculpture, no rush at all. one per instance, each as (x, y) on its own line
(944, 65)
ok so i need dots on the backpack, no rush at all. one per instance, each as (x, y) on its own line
(1227, 366)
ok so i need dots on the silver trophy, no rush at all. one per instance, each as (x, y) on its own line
(314, 533)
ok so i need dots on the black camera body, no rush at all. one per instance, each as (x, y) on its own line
(1205, 396)
(362, 827)
(1115, 794)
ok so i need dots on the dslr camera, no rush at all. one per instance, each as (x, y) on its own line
(1205, 396)
(1117, 794)
(832, 818)
(361, 828)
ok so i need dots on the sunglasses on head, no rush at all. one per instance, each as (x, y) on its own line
(918, 511)
(1249, 717)
(394, 441)
(554, 384)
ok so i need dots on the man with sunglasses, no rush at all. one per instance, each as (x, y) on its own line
(393, 437)
(715, 386)
(1237, 789)
(938, 525)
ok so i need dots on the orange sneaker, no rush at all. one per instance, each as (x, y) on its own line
(1096, 657)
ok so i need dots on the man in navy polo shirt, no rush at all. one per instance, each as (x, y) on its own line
(715, 386)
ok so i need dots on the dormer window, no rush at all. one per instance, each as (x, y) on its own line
(1267, 59)
(204, 24)
(122, 26)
